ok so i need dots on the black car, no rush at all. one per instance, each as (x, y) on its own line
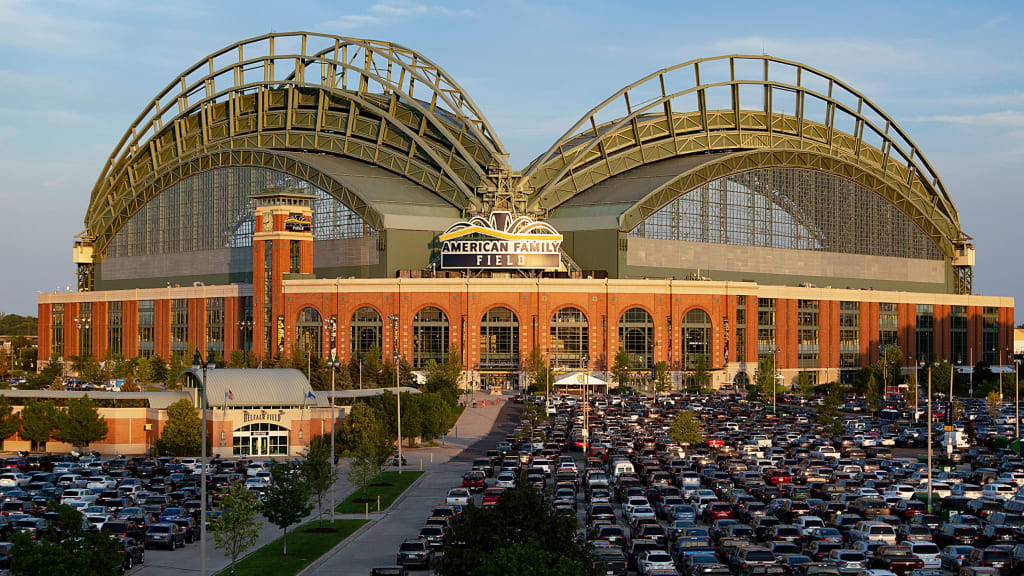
(189, 527)
(165, 535)
(131, 554)
(124, 529)
(415, 553)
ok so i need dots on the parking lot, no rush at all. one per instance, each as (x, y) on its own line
(763, 494)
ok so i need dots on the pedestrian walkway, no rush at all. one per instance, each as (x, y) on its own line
(479, 429)
(473, 424)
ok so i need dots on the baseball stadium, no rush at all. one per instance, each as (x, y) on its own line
(340, 195)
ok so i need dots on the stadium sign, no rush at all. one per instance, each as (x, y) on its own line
(501, 242)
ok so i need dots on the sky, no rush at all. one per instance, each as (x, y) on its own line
(74, 74)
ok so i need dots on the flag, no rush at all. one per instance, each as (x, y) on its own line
(310, 395)
(230, 394)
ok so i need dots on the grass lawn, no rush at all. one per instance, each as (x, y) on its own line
(388, 494)
(303, 548)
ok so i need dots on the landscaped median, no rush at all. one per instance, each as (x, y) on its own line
(305, 545)
(388, 487)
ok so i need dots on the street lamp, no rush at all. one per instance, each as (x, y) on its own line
(586, 404)
(398, 391)
(198, 364)
(929, 435)
(333, 364)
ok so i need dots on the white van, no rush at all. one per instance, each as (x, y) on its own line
(77, 495)
(865, 531)
(620, 467)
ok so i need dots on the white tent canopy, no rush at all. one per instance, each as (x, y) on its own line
(579, 380)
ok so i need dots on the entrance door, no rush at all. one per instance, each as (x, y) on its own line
(264, 449)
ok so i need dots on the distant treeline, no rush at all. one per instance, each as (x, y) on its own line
(15, 325)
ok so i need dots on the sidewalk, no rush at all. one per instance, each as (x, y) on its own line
(473, 424)
(377, 542)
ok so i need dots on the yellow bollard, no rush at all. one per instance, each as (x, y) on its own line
(367, 510)
(378, 503)
(431, 457)
(421, 463)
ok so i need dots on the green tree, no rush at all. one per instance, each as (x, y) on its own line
(538, 371)
(445, 379)
(805, 384)
(320, 472)
(47, 375)
(873, 392)
(412, 416)
(64, 549)
(910, 393)
(286, 500)
(700, 371)
(5, 364)
(828, 416)
(182, 435)
(82, 424)
(373, 445)
(687, 428)
(520, 535)
(995, 402)
(238, 359)
(661, 378)
(435, 414)
(10, 422)
(622, 368)
(236, 529)
(764, 378)
(158, 371)
(39, 420)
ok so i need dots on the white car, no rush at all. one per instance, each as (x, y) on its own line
(505, 481)
(459, 496)
(654, 560)
(256, 484)
(14, 479)
(633, 502)
(642, 513)
(928, 553)
(102, 483)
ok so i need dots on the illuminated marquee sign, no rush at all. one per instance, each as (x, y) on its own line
(298, 223)
(501, 242)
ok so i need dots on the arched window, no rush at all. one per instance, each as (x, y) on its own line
(696, 338)
(570, 339)
(308, 331)
(499, 340)
(366, 331)
(636, 338)
(261, 439)
(429, 337)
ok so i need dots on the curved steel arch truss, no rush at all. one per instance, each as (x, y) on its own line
(732, 164)
(375, 101)
(667, 114)
(278, 161)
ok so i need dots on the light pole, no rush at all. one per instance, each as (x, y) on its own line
(333, 364)
(917, 389)
(199, 364)
(775, 373)
(929, 438)
(547, 382)
(1016, 401)
(586, 404)
(398, 391)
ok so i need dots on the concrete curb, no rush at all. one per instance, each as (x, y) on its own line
(373, 520)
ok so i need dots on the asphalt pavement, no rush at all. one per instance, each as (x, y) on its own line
(479, 429)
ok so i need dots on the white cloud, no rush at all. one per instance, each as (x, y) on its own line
(24, 25)
(390, 11)
(1004, 118)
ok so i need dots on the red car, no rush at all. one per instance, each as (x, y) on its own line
(779, 477)
(491, 496)
(473, 480)
(717, 511)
